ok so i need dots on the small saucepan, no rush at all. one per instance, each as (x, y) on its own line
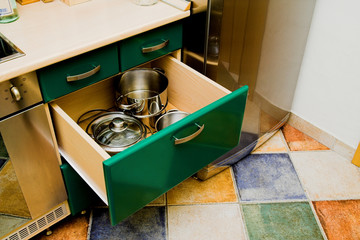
(169, 118)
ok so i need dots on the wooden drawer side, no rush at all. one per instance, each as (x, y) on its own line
(81, 152)
(188, 89)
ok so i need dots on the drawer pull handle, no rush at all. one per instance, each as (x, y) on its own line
(83, 75)
(156, 47)
(190, 137)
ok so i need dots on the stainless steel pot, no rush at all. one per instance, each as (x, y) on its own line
(142, 92)
(116, 131)
(169, 118)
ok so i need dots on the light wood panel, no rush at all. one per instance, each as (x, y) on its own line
(100, 95)
(81, 152)
(188, 89)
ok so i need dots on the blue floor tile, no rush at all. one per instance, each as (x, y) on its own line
(267, 177)
(146, 224)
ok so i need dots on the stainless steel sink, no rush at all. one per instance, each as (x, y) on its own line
(8, 50)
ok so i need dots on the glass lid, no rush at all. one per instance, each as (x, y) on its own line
(117, 130)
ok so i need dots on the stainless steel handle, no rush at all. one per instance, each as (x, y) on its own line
(190, 137)
(127, 106)
(83, 75)
(156, 47)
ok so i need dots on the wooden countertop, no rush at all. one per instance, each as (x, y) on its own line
(50, 32)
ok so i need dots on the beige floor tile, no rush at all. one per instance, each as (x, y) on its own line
(275, 144)
(205, 222)
(217, 189)
(327, 175)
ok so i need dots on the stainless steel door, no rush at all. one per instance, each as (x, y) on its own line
(255, 43)
(28, 141)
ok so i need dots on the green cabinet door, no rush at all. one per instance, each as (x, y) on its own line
(153, 166)
(80, 195)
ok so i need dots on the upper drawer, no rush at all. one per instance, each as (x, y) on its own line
(72, 74)
(150, 45)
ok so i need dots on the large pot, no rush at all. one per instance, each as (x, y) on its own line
(116, 131)
(142, 92)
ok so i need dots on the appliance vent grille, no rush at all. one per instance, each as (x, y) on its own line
(14, 237)
(50, 217)
(23, 233)
(33, 227)
(41, 222)
(59, 212)
(39, 225)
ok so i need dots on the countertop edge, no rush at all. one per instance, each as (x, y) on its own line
(25, 64)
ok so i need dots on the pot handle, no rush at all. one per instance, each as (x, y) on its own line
(190, 137)
(125, 106)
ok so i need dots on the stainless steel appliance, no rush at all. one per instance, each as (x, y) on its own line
(32, 192)
(256, 43)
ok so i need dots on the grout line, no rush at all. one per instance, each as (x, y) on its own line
(274, 201)
(238, 197)
(205, 203)
(167, 231)
(237, 192)
(318, 220)
(244, 227)
(307, 194)
(90, 225)
(283, 139)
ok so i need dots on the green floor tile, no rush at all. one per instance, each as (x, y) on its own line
(288, 221)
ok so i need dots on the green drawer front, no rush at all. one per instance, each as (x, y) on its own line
(141, 173)
(131, 53)
(80, 195)
(53, 79)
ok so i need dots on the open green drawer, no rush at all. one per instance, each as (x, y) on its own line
(133, 178)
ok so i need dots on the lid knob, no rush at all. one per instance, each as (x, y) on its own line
(118, 125)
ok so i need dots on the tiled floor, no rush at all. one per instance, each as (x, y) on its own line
(292, 187)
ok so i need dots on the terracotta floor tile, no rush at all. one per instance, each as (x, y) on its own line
(340, 219)
(219, 188)
(72, 227)
(275, 144)
(326, 175)
(298, 141)
(206, 222)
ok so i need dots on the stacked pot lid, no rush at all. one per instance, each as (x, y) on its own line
(116, 131)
